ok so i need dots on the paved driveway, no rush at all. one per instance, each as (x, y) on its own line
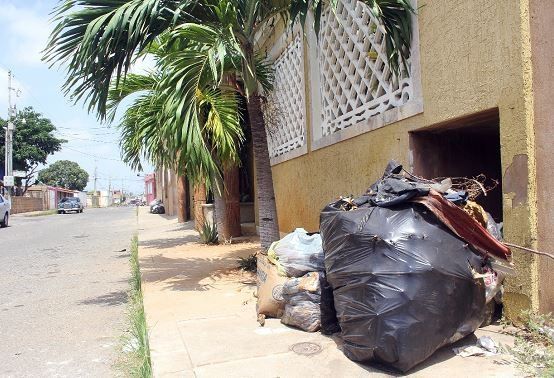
(63, 282)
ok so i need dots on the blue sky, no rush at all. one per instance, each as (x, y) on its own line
(24, 30)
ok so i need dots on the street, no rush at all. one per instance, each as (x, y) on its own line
(63, 292)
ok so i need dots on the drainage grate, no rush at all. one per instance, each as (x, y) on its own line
(306, 349)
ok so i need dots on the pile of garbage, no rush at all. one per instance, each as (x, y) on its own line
(289, 280)
(400, 271)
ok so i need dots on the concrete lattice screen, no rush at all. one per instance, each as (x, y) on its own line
(285, 109)
(354, 81)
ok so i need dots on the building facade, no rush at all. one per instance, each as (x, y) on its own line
(476, 100)
(150, 187)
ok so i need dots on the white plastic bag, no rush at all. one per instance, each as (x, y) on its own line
(299, 253)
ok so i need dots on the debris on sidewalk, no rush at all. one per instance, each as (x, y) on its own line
(297, 253)
(401, 271)
(298, 258)
(270, 289)
(302, 301)
(329, 322)
(409, 264)
(485, 346)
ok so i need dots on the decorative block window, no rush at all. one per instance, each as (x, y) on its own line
(285, 109)
(355, 80)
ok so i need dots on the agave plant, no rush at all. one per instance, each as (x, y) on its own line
(209, 234)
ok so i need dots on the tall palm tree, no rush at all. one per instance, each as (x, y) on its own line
(100, 41)
(144, 126)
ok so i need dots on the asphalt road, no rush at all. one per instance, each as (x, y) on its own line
(63, 283)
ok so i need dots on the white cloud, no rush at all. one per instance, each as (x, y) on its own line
(27, 31)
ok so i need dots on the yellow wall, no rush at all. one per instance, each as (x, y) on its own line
(542, 53)
(475, 55)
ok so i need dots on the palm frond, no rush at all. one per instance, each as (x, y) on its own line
(99, 40)
(131, 84)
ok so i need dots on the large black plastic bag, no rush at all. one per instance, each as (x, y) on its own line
(402, 283)
(329, 322)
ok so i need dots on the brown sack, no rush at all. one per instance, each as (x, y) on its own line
(270, 289)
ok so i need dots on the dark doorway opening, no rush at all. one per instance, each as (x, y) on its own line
(465, 147)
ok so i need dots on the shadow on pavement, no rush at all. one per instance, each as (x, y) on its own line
(114, 298)
(164, 243)
(194, 273)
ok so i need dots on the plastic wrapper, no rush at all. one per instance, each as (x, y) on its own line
(494, 228)
(402, 282)
(302, 302)
(304, 315)
(297, 253)
(307, 283)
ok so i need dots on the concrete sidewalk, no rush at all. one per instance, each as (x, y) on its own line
(202, 318)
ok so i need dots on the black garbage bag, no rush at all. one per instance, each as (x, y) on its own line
(329, 321)
(402, 282)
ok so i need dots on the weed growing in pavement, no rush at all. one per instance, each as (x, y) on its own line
(249, 264)
(135, 346)
(533, 348)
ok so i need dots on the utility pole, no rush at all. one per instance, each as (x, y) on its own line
(8, 164)
(95, 176)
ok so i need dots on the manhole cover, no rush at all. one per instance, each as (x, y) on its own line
(306, 349)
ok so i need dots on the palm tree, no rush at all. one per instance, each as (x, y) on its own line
(144, 126)
(100, 41)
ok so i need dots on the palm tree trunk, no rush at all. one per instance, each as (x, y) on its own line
(181, 199)
(220, 210)
(199, 200)
(232, 200)
(267, 210)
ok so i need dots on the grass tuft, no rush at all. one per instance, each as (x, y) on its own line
(249, 263)
(135, 346)
(42, 213)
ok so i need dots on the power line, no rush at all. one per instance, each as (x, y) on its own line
(91, 155)
(120, 179)
(102, 128)
(85, 139)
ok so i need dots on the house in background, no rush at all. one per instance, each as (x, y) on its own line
(106, 198)
(50, 195)
(117, 197)
(41, 197)
(150, 187)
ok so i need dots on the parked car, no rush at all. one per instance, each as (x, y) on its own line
(70, 204)
(157, 207)
(5, 209)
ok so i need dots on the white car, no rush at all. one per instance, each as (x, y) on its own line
(5, 208)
